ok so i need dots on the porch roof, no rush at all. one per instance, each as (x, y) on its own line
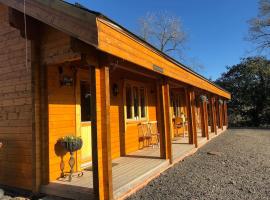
(106, 35)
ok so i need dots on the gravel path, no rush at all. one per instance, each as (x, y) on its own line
(239, 169)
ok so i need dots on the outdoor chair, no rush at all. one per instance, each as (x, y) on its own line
(147, 134)
(143, 134)
(155, 136)
(178, 123)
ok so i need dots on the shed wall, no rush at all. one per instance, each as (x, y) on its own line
(15, 107)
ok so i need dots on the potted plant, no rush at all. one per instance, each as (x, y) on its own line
(220, 101)
(71, 144)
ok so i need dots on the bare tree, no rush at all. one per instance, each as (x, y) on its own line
(259, 31)
(164, 31)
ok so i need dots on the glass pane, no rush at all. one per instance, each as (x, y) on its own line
(142, 101)
(128, 102)
(85, 101)
(136, 102)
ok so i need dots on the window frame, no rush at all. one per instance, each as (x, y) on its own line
(139, 86)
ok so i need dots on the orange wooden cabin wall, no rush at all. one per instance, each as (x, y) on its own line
(62, 118)
(55, 51)
(15, 107)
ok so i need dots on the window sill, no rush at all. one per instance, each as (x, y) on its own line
(135, 121)
(88, 123)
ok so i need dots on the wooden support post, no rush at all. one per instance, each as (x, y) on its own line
(167, 121)
(101, 137)
(202, 114)
(192, 116)
(214, 116)
(225, 114)
(218, 113)
(160, 119)
(221, 115)
(189, 116)
(206, 120)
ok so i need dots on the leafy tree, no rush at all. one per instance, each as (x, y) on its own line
(249, 84)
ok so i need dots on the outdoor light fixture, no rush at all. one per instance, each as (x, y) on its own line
(115, 90)
(64, 80)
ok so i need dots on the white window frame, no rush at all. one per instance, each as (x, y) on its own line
(139, 85)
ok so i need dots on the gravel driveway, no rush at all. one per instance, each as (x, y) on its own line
(239, 168)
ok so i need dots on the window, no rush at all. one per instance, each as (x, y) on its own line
(142, 102)
(129, 102)
(135, 101)
(176, 105)
(85, 101)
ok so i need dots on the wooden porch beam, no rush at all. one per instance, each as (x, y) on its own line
(189, 117)
(101, 137)
(202, 113)
(206, 120)
(225, 114)
(160, 119)
(192, 116)
(221, 115)
(213, 114)
(167, 121)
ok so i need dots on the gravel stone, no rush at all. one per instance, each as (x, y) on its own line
(240, 171)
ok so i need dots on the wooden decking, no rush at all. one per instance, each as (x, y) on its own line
(128, 172)
(180, 147)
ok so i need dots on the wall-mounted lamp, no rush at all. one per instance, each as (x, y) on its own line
(64, 80)
(115, 89)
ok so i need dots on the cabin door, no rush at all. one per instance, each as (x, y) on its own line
(83, 117)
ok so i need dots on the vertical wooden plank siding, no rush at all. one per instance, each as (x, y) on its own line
(189, 117)
(104, 163)
(167, 120)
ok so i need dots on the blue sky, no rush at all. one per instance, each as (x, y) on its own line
(216, 28)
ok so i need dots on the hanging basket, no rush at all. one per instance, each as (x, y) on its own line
(71, 143)
(203, 98)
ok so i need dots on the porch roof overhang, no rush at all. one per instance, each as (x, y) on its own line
(106, 35)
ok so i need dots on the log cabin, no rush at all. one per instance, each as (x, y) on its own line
(69, 71)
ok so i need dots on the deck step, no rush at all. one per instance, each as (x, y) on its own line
(68, 191)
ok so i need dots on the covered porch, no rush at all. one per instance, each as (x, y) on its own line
(127, 173)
